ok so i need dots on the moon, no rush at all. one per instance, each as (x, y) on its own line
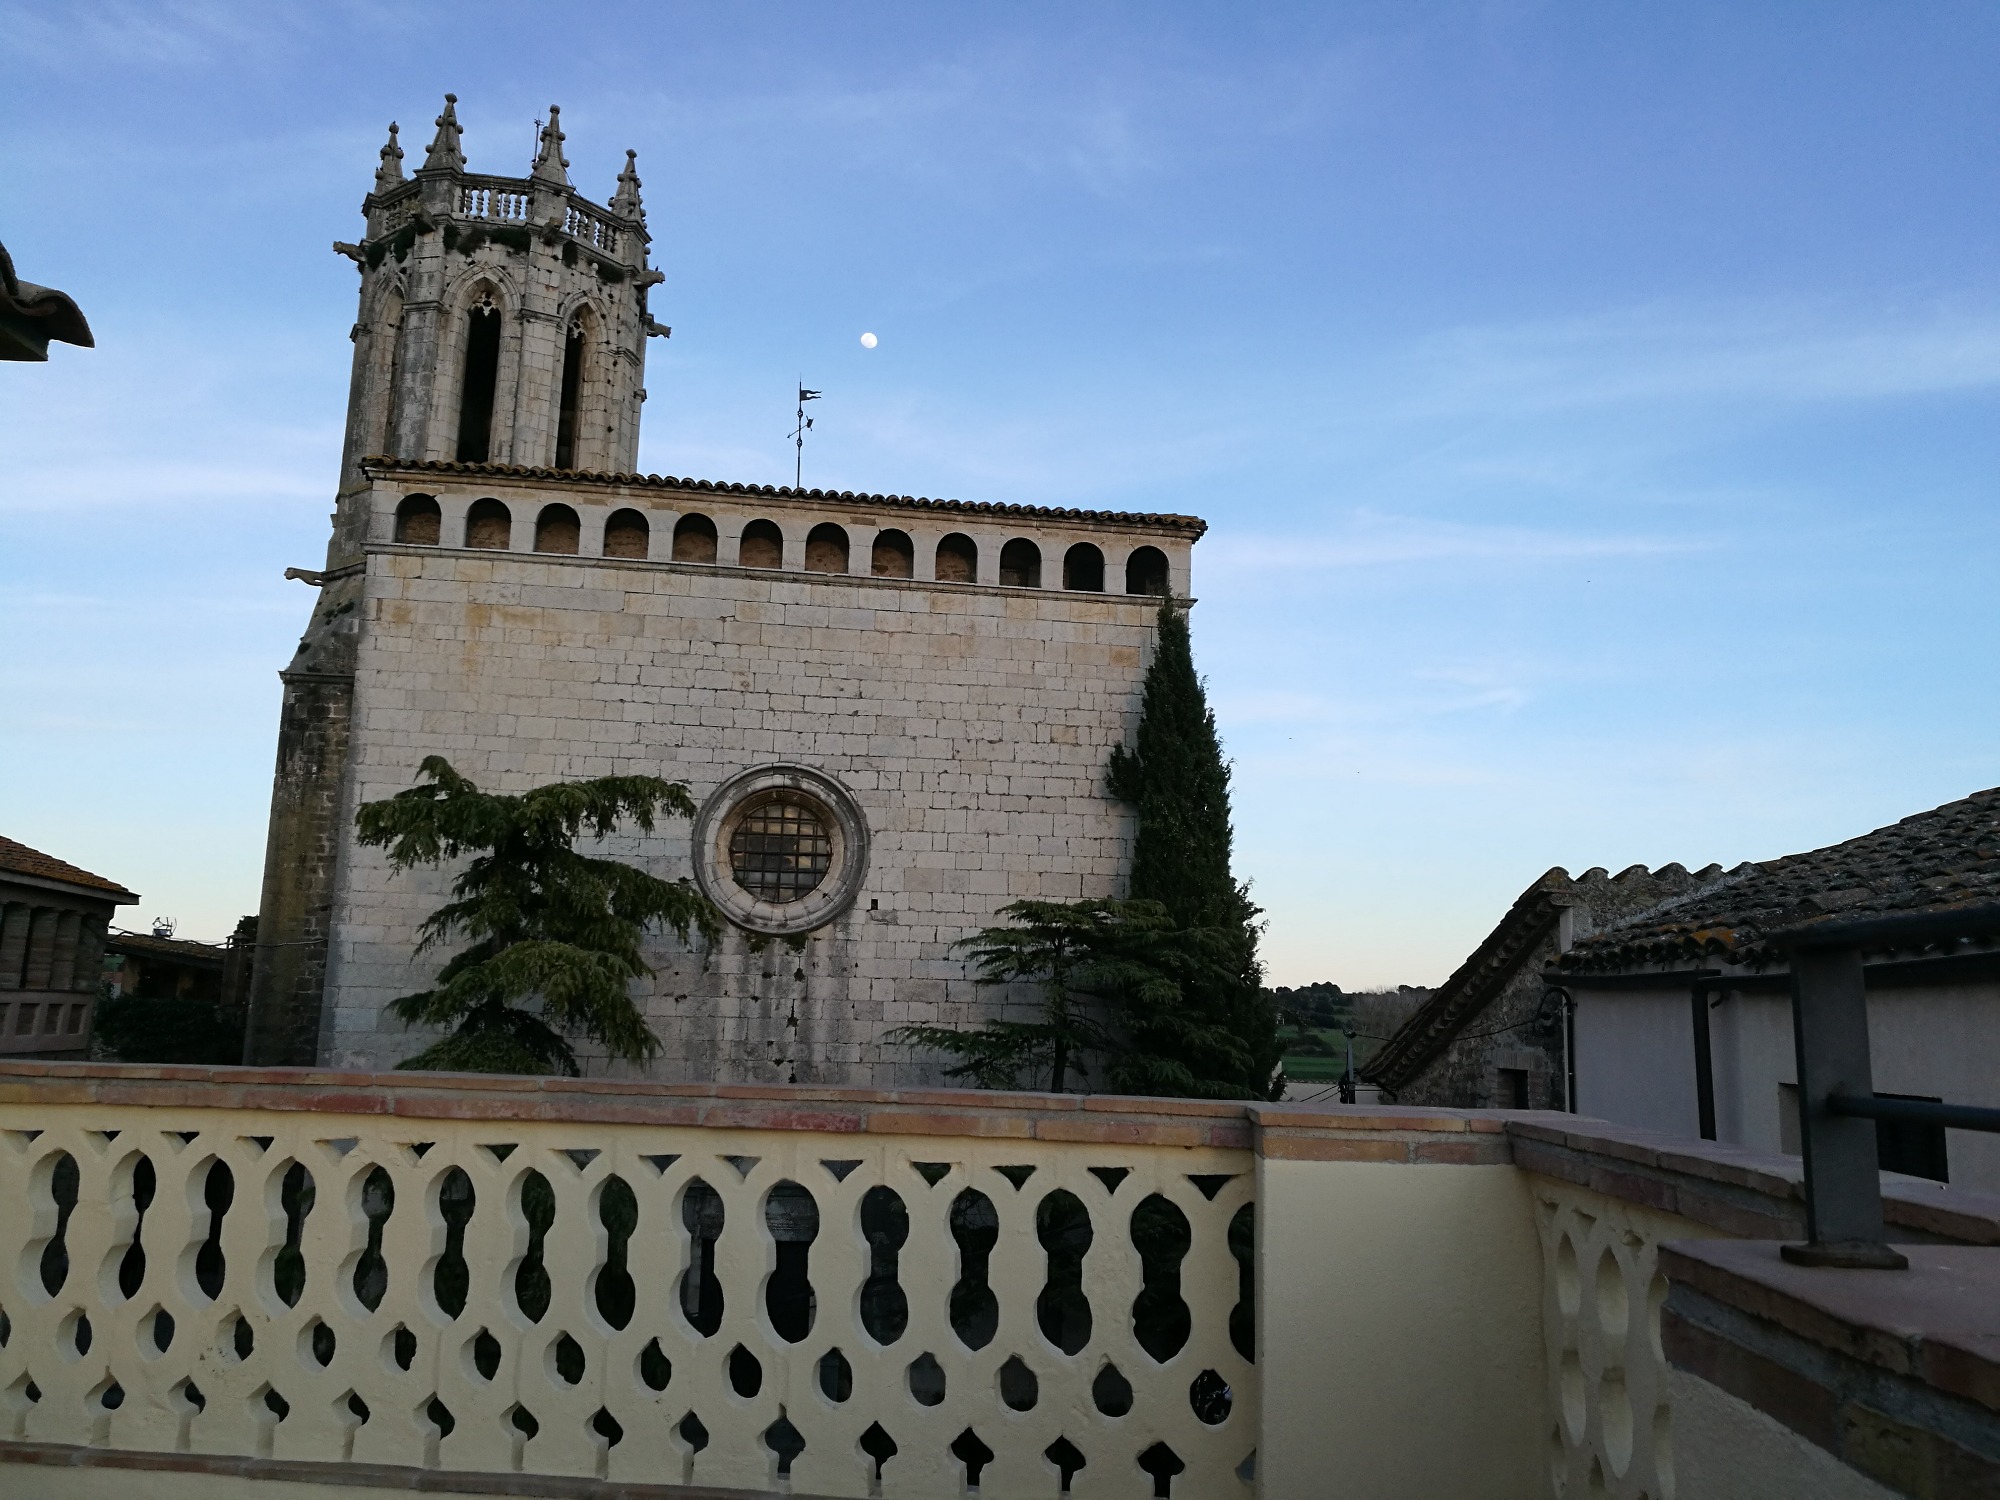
(868, 341)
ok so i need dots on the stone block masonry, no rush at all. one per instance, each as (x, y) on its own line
(969, 723)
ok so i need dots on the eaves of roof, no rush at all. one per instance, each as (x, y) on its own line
(1190, 526)
(18, 859)
(1474, 984)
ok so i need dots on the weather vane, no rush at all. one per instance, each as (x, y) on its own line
(799, 435)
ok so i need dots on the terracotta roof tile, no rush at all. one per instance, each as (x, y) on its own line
(1949, 856)
(19, 859)
(1193, 525)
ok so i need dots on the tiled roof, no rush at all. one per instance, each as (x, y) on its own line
(1949, 856)
(1193, 525)
(19, 859)
(182, 950)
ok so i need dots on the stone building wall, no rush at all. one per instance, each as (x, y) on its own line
(969, 722)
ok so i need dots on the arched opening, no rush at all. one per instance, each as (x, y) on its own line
(957, 559)
(627, 534)
(391, 333)
(488, 524)
(1021, 564)
(1083, 569)
(482, 375)
(1146, 572)
(763, 546)
(694, 539)
(894, 555)
(557, 530)
(572, 396)
(826, 549)
(419, 522)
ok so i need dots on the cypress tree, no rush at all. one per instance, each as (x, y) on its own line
(1218, 1035)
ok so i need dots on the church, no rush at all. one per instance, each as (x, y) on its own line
(893, 712)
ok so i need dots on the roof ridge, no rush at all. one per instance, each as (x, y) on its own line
(1168, 520)
(19, 859)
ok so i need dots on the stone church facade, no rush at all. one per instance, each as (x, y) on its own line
(893, 711)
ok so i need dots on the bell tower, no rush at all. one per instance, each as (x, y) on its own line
(503, 320)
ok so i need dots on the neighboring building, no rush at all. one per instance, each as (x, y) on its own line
(1696, 975)
(894, 711)
(158, 966)
(1492, 1036)
(53, 918)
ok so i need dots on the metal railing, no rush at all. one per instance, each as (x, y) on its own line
(1838, 1108)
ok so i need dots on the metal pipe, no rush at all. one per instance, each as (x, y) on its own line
(1916, 1111)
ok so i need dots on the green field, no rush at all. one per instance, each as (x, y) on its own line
(1310, 1065)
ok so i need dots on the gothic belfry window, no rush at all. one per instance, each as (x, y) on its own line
(572, 396)
(482, 374)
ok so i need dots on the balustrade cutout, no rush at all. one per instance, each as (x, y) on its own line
(792, 1216)
(532, 1288)
(451, 1280)
(132, 1265)
(618, 1212)
(161, 1325)
(885, 1224)
(746, 1373)
(836, 1376)
(485, 1352)
(80, 1335)
(701, 1290)
(582, 1156)
(1243, 1316)
(440, 1417)
(785, 1440)
(566, 1359)
(211, 1267)
(1019, 1389)
(926, 1379)
(1067, 1458)
(655, 1369)
(1161, 1321)
(401, 1346)
(607, 1427)
(880, 1448)
(840, 1169)
(353, 1402)
(1211, 1183)
(1163, 1464)
(371, 1271)
(1018, 1176)
(1110, 1176)
(242, 1337)
(523, 1421)
(61, 1187)
(660, 1163)
(975, 1455)
(316, 1343)
(975, 1311)
(296, 1194)
(693, 1433)
(1062, 1224)
(932, 1172)
(1111, 1392)
(111, 1396)
(1210, 1399)
(274, 1403)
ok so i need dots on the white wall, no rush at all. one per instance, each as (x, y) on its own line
(1635, 1058)
(1635, 1062)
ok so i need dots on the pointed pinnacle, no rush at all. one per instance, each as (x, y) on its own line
(445, 155)
(550, 164)
(626, 200)
(390, 172)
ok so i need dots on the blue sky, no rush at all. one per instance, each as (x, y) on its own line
(1594, 405)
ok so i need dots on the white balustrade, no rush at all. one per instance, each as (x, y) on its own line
(843, 1314)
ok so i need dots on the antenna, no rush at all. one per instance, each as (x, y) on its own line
(163, 927)
(799, 434)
